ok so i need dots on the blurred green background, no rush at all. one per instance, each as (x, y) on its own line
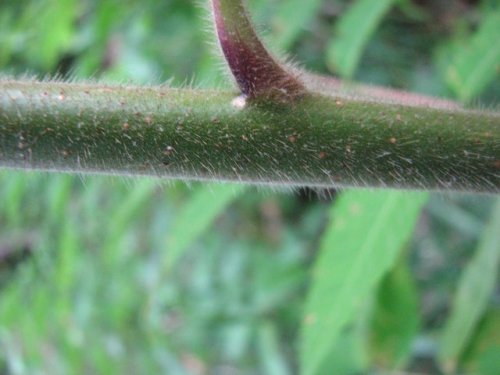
(103, 275)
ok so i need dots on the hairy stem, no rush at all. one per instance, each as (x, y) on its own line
(262, 77)
(317, 141)
(258, 75)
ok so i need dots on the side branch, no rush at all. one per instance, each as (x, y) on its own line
(258, 74)
(262, 78)
(317, 141)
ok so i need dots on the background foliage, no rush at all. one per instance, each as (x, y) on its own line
(119, 275)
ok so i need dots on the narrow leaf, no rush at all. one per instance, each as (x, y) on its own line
(474, 291)
(13, 192)
(489, 362)
(50, 42)
(58, 198)
(485, 340)
(367, 232)
(396, 318)
(196, 216)
(349, 354)
(475, 65)
(352, 32)
(270, 351)
(128, 211)
(291, 18)
(69, 250)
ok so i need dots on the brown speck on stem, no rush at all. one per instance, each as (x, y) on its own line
(322, 155)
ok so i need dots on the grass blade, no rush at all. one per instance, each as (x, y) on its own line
(271, 354)
(352, 32)
(349, 354)
(483, 353)
(362, 243)
(128, 211)
(291, 18)
(475, 66)
(396, 318)
(474, 291)
(196, 216)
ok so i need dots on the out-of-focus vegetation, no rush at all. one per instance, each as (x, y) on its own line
(116, 275)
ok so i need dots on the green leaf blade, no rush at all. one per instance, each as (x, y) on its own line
(475, 66)
(196, 216)
(360, 246)
(352, 32)
(474, 290)
(486, 341)
(128, 212)
(291, 18)
(396, 318)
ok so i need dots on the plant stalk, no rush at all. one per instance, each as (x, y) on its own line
(191, 134)
(257, 73)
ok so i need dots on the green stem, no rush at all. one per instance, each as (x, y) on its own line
(181, 133)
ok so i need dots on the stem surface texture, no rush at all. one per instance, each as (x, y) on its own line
(192, 134)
